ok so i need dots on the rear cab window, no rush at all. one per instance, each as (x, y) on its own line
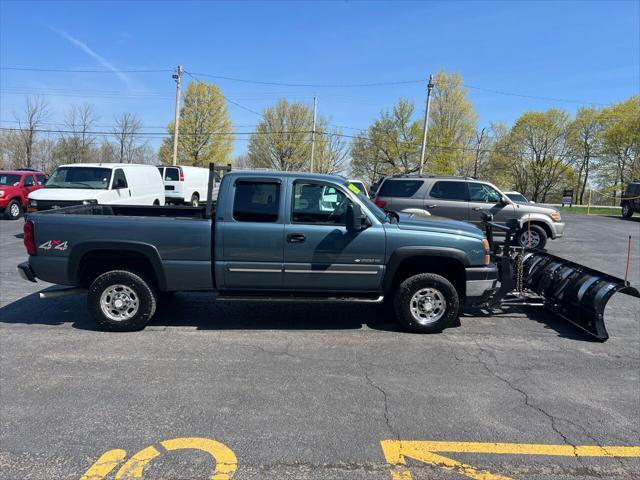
(256, 201)
(399, 188)
(449, 190)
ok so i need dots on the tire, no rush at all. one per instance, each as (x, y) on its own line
(538, 237)
(128, 287)
(195, 200)
(414, 303)
(13, 210)
(156, 203)
(627, 210)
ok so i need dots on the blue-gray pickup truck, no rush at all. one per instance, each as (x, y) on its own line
(272, 236)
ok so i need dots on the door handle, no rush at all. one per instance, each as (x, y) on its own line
(431, 206)
(296, 238)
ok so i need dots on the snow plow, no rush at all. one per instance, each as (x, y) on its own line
(536, 278)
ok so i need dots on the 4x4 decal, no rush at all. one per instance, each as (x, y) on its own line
(55, 245)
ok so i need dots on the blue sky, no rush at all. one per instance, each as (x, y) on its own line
(587, 51)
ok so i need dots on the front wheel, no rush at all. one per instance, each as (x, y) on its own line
(121, 301)
(426, 303)
(532, 237)
(195, 200)
(627, 211)
(13, 210)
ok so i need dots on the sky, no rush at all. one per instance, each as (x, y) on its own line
(570, 53)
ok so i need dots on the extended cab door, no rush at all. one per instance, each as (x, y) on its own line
(253, 234)
(319, 253)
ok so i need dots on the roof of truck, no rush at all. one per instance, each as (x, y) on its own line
(107, 165)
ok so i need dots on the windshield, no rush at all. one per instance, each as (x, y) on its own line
(517, 197)
(80, 177)
(373, 208)
(9, 179)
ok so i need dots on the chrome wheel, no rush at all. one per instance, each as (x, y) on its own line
(530, 239)
(119, 302)
(428, 305)
(14, 210)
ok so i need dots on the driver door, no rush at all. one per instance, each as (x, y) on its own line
(485, 198)
(319, 253)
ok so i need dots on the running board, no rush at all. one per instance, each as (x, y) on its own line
(62, 292)
(330, 299)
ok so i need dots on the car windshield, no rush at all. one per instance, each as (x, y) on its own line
(373, 208)
(80, 177)
(7, 179)
(517, 197)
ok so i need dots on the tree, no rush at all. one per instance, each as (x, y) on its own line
(282, 139)
(126, 133)
(390, 146)
(584, 139)
(79, 143)
(36, 113)
(331, 151)
(452, 127)
(206, 133)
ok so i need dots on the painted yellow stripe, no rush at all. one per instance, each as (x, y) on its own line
(135, 465)
(103, 466)
(226, 462)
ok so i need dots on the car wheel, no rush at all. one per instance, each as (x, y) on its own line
(156, 203)
(121, 301)
(195, 200)
(532, 237)
(13, 210)
(627, 211)
(426, 303)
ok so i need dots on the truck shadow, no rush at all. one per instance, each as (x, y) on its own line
(200, 311)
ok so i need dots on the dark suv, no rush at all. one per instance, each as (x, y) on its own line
(465, 198)
(631, 200)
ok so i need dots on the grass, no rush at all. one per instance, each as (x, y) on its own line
(603, 211)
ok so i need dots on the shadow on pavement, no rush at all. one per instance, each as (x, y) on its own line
(200, 311)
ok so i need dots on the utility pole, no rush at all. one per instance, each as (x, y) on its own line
(176, 123)
(426, 123)
(313, 132)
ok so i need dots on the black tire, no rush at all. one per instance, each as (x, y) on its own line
(134, 288)
(627, 210)
(538, 235)
(404, 303)
(195, 200)
(13, 210)
(156, 203)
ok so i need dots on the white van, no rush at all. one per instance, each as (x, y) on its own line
(183, 184)
(103, 183)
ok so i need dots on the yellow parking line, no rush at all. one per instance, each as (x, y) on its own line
(103, 466)
(135, 465)
(226, 462)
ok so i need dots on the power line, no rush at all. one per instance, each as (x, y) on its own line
(66, 70)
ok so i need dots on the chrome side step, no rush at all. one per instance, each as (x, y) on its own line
(62, 292)
(331, 299)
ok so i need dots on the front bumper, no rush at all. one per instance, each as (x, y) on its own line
(557, 229)
(26, 272)
(481, 283)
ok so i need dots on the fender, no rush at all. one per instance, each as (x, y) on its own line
(148, 251)
(536, 217)
(402, 253)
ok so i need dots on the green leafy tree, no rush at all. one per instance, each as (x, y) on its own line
(584, 139)
(206, 133)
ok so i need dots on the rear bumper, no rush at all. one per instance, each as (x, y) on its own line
(481, 282)
(26, 272)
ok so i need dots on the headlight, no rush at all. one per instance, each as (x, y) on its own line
(89, 202)
(1, 193)
(33, 203)
(555, 216)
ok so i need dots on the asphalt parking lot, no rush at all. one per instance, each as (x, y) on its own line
(287, 391)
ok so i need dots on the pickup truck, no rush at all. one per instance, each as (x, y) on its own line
(272, 236)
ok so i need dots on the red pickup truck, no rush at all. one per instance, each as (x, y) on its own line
(15, 187)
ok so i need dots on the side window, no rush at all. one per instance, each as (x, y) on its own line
(119, 180)
(41, 180)
(28, 181)
(319, 204)
(449, 191)
(256, 201)
(479, 192)
(399, 188)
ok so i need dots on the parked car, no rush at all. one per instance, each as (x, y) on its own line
(186, 185)
(272, 237)
(360, 185)
(102, 183)
(15, 187)
(465, 198)
(517, 197)
(630, 202)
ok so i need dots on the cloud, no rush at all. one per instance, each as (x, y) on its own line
(101, 60)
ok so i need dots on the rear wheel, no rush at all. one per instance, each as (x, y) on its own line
(426, 303)
(532, 237)
(195, 200)
(627, 211)
(122, 301)
(13, 210)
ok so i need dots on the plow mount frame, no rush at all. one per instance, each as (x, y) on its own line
(534, 278)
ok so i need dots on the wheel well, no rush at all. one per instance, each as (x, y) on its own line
(544, 226)
(97, 262)
(448, 267)
(196, 194)
(156, 202)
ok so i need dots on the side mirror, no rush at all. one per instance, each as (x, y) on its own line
(505, 201)
(354, 218)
